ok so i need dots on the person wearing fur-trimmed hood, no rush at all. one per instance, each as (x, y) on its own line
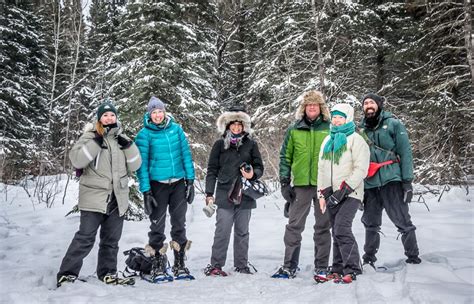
(106, 157)
(343, 164)
(166, 180)
(225, 167)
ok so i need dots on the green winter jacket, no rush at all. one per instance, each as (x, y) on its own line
(105, 170)
(388, 141)
(300, 151)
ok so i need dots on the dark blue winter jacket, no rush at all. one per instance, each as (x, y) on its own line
(165, 153)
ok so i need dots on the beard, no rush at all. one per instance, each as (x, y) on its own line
(370, 114)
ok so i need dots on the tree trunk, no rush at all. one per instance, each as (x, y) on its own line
(468, 36)
(316, 14)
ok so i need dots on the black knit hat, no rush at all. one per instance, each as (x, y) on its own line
(105, 107)
(378, 99)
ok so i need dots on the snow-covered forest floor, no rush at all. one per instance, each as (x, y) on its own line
(34, 239)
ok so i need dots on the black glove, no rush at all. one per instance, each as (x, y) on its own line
(99, 139)
(286, 210)
(287, 191)
(339, 195)
(124, 142)
(407, 192)
(327, 192)
(189, 190)
(149, 202)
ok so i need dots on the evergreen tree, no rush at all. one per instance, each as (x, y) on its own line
(23, 89)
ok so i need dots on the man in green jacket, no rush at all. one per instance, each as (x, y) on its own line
(390, 186)
(299, 164)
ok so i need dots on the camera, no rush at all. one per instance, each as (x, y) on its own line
(247, 167)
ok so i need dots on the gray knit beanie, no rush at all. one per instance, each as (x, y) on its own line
(155, 104)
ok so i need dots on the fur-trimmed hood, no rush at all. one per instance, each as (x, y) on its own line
(227, 117)
(310, 97)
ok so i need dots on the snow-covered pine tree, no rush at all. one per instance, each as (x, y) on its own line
(23, 90)
(165, 49)
(442, 88)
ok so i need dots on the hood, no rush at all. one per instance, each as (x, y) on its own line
(227, 117)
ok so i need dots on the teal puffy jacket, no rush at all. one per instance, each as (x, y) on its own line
(165, 153)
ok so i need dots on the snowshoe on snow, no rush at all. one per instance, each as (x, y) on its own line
(321, 275)
(66, 279)
(284, 273)
(215, 271)
(180, 271)
(346, 279)
(113, 279)
(159, 270)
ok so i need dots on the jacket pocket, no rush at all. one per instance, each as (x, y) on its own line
(124, 182)
(95, 183)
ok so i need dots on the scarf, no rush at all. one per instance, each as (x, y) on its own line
(231, 139)
(337, 144)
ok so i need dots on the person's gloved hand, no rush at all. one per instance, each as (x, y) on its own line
(287, 191)
(327, 192)
(286, 210)
(407, 192)
(99, 139)
(189, 190)
(339, 195)
(124, 142)
(149, 202)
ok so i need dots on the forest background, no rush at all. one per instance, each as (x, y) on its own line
(60, 59)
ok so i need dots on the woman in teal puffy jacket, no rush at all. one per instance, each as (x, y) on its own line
(166, 180)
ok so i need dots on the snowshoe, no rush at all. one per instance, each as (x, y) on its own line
(321, 275)
(246, 269)
(215, 271)
(113, 279)
(346, 279)
(180, 271)
(159, 269)
(284, 273)
(66, 279)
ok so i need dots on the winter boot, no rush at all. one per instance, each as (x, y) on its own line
(284, 273)
(180, 271)
(159, 273)
(215, 271)
(368, 266)
(113, 279)
(413, 260)
(65, 279)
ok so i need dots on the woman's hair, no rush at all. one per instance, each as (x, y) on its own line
(99, 128)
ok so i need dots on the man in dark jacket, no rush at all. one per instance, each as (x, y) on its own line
(299, 165)
(390, 187)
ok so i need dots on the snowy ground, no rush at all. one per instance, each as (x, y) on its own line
(34, 239)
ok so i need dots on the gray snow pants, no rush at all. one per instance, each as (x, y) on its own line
(345, 258)
(390, 198)
(225, 218)
(110, 232)
(298, 212)
(170, 197)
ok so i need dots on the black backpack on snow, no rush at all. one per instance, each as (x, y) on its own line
(137, 262)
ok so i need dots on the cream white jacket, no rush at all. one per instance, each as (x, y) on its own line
(352, 168)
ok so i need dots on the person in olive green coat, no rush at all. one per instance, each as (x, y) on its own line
(389, 187)
(105, 157)
(299, 165)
